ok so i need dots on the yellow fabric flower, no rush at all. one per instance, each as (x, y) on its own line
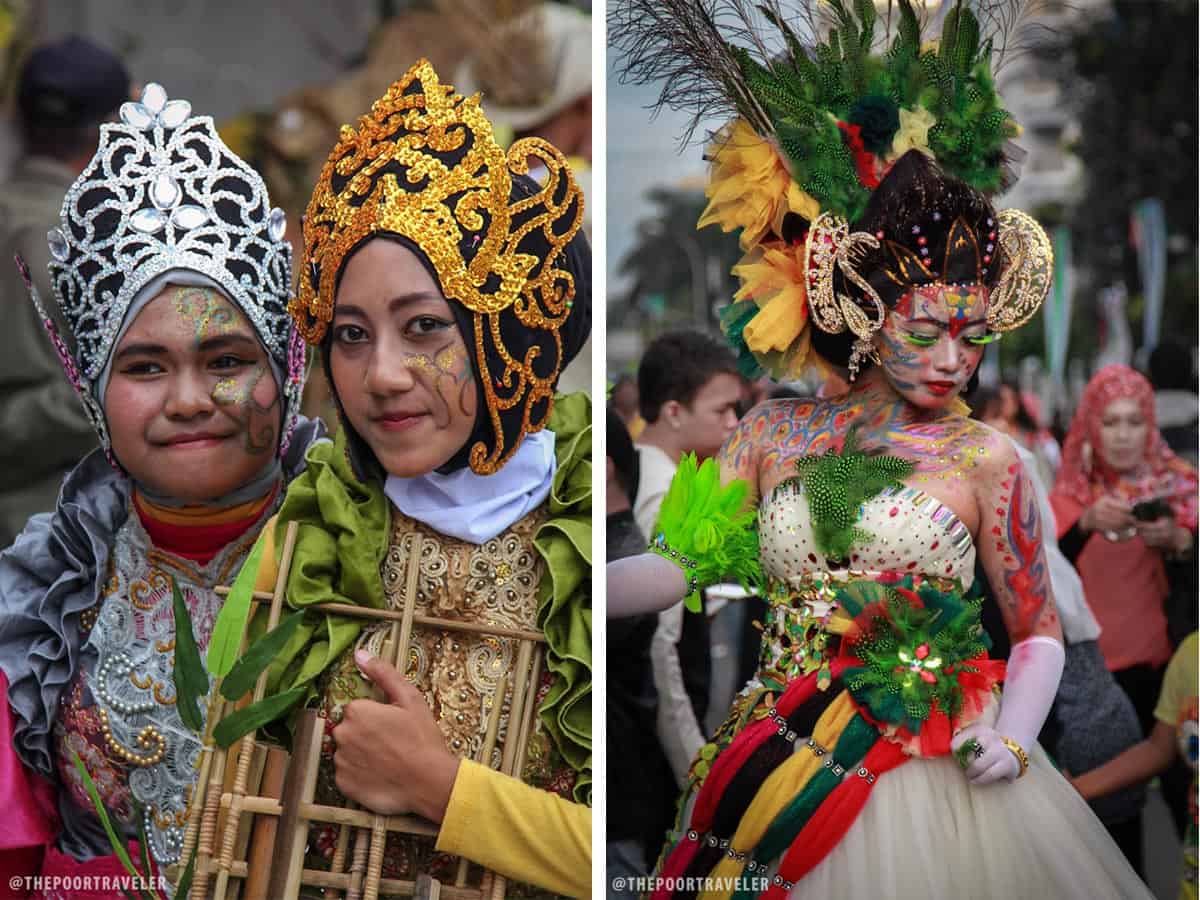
(913, 133)
(749, 186)
(773, 277)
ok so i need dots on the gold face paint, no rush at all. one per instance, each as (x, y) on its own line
(236, 396)
(209, 313)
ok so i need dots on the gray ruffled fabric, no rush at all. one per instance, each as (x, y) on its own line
(51, 574)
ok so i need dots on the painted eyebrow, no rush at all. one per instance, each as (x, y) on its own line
(398, 302)
(942, 324)
(228, 340)
(217, 342)
(143, 349)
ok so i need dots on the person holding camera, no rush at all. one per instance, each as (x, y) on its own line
(1125, 508)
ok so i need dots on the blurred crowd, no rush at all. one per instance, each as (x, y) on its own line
(1125, 711)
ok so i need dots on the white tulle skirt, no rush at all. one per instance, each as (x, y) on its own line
(927, 834)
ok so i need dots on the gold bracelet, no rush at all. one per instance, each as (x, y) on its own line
(1018, 752)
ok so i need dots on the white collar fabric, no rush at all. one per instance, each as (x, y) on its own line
(477, 508)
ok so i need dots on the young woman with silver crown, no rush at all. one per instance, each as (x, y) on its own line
(446, 290)
(171, 276)
(873, 754)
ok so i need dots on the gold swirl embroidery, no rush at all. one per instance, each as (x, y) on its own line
(141, 593)
(149, 738)
(139, 683)
(160, 696)
(495, 583)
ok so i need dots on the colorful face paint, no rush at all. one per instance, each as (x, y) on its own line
(399, 363)
(931, 343)
(207, 310)
(192, 407)
(237, 397)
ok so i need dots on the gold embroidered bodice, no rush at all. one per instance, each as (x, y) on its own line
(494, 583)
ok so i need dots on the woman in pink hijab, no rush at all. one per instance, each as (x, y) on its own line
(1125, 509)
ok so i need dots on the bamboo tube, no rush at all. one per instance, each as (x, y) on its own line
(527, 720)
(484, 756)
(395, 652)
(427, 887)
(262, 839)
(493, 888)
(215, 762)
(369, 612)
(321, 879)
(258, 766)
(299, 787)
(358, 863)
(338, 863)
(517, 708)
(246, 746)
(337, 815)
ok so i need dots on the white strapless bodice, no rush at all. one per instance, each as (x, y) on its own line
(912, 533)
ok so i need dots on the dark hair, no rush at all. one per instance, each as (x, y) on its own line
(913, 213)
(1171, 367)
(676, 366)
(619, 448)
(982, 401)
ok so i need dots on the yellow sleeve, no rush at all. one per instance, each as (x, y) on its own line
(268, 567)
(1179, 682)
(522, 832)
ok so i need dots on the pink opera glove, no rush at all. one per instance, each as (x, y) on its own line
(1034, 669)
(30, 820)
(646, 583)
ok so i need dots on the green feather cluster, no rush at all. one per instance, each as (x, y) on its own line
(838, 484)
(894, 683)
(804, 93)
(710, 526)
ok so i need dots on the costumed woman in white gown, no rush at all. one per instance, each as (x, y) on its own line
(873, 754)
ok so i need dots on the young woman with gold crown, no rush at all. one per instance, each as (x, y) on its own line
(172, 277)
(872, 754)
(446, 290)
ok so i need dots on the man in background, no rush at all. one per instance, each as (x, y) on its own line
(65, 91)
(688, 392)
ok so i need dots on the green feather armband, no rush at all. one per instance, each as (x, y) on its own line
(705, 529)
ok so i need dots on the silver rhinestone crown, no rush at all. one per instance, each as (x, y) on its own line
(164, 192)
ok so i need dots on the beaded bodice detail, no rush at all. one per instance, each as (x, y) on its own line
(912, 533)
(495, 583)
(118, 714)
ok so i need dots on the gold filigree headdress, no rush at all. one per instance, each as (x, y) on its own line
(424, 165)
(1026, 267)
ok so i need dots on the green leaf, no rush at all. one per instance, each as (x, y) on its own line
(118, 845)
(185, 880)
(191, 679)
(226, 639)
(144, 850)
(254, 716)
(258, 656)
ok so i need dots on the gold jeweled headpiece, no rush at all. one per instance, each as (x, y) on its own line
(424, 165)
(1026, 269)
